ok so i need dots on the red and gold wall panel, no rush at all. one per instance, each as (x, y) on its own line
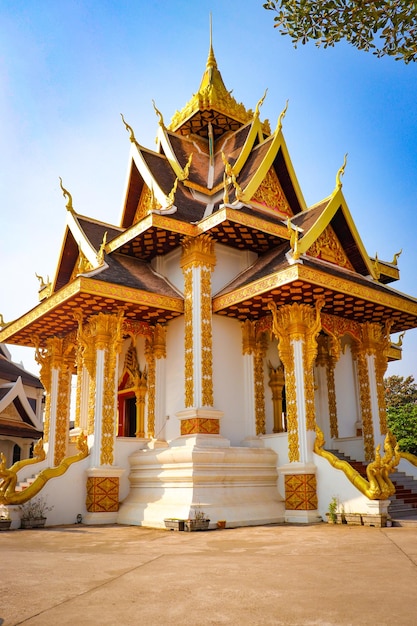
(301, 492)
(102, 494)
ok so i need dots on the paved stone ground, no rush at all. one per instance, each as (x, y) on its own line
(316, 575)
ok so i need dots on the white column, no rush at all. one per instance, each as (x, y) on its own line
(160, 398)
(249, 395)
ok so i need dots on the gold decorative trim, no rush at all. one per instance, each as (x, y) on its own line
(108, 337)
(359, 354)
(188, 337)
(206, 339)
(286, 355)
(150, 354)
(258, 366)
(248, 336)
(396, 301)
(198, 252)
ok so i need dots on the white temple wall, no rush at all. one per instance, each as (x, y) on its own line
(229, 263)
(228, 378)
(174, 376)
(346, 390)
(169, 267)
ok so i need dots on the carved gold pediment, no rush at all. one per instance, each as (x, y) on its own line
(271, 195)
(328, 247)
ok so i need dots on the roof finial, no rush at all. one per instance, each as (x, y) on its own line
(340, 173)
(260, 103)
(211, 60)
(281, 117)
(159, 114)
(129, 130)
(66, 195)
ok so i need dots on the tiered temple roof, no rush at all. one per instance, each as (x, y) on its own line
(217, 170)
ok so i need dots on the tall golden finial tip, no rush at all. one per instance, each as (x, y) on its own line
(66, 195)
(211, 60)
(129, 129)
(341, 172)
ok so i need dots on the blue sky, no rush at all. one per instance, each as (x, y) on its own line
(68, 69)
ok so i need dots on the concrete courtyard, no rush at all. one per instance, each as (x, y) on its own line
(315, 575)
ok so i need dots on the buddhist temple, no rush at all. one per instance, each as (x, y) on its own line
(226, 343)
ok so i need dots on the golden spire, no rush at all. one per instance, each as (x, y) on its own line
(212, 94)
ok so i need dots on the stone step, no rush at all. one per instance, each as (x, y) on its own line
(403, 501)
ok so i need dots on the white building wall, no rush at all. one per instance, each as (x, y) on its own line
(228, 378)
(229, 263)
(174, 376)
(346, 394)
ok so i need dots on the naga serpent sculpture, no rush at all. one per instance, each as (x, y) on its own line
(8, 476)
(378, 486)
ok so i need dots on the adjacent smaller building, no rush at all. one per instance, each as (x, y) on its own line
(21, 409)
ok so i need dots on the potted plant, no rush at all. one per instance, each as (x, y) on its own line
(173, 523)
(354, 519)
(198, 522)
(332, 511)
(33, 513)
(5, 521)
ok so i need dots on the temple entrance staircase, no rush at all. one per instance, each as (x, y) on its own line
(403, 507)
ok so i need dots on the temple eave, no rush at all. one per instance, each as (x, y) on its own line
(55, 315)
(302, 284)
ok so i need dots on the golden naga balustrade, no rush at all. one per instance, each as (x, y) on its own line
(378, 486)
(8, 476)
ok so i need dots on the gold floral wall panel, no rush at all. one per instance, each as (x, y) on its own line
(102, 494)
(200, 425)
(301, 492)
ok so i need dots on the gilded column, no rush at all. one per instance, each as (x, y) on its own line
(155, 353)
(44, 360)
(359, 354)
(375, 343)
(327, 356)
(141, 387)
(296, 327)
(65, 364)
(260, 351)
(56, 364)
(86, 373)
(198, 262)
(103, 477)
